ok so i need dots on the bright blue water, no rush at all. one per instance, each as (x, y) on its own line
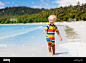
(27, 35)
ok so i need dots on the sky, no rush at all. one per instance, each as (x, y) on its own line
(47, 4)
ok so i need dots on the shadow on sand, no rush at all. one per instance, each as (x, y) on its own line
(61, 53)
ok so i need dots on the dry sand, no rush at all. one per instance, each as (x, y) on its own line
(77, 49)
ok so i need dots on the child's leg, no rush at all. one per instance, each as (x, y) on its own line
(49, 47)
(53, 48)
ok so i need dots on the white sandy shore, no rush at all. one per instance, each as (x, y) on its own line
(76, 49)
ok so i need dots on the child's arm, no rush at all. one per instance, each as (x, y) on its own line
(45, 33)
(59, 36)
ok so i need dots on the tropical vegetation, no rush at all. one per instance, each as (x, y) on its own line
(30, 15)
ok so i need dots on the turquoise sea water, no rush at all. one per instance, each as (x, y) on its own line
(21, 34)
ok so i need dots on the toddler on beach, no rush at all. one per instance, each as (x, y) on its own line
(49, 31)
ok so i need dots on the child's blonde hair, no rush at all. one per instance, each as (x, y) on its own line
(52, 16)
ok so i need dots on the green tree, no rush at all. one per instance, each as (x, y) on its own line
(7, 21)
(65, 18)
(58, 20)
(84, 17)
(73, 13)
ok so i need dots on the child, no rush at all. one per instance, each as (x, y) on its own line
(50, 35)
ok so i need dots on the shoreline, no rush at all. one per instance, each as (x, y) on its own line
(41, 23)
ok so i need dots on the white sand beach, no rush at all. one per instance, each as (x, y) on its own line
(75, 49)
